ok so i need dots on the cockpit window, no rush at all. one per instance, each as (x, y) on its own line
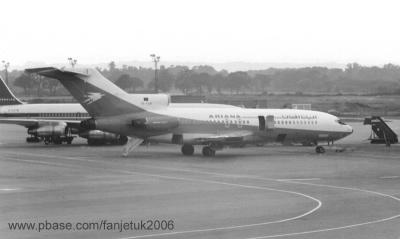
(340, 122)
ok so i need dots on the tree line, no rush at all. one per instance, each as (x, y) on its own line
(204, 79)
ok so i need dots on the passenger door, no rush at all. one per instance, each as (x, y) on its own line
(261, 123)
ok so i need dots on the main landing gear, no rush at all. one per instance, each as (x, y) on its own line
(187, 149)
(57, 140)
(319, 149)
(208, 151)
(50, 139)
(32, 139)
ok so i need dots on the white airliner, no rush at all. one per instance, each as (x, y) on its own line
(52, 123)
(213, 126)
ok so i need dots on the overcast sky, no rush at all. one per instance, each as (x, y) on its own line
(295, 31)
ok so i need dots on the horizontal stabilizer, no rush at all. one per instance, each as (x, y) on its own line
(54, 72)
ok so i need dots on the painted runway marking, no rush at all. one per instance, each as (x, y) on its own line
(297, 179)
(163, 168)
(8, 189)
(247, 186)
(326, 229)
(336, 228)
(303, 232)
(389, 177)
(318, 206)
(288, 234)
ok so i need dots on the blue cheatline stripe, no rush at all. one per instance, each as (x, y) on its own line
(45, 115)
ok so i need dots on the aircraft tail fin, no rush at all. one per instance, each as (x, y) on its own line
(99, 96)
(6, 96)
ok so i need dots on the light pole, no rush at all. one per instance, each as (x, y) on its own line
(72, 62)
(6, 65)
(155, 59)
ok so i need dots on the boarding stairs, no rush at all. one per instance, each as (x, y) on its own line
(381, 133)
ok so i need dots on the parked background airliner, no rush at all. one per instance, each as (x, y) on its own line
(51, 123)
(214, 127)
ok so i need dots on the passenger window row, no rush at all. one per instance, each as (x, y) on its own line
(298, 122)
(64, 115)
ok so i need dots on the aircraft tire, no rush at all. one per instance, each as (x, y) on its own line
(32, 140)
(187, 149)
(208, 151)
(319, 150)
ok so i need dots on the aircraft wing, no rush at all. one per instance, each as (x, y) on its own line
(224, 138)
(36, 122)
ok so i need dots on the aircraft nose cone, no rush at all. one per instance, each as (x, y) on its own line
(349, 129)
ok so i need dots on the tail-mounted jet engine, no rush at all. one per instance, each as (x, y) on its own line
(89, 124)
(156, 123)
(98, 137)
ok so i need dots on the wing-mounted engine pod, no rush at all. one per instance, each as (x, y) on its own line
(48, 130)
(89, 124)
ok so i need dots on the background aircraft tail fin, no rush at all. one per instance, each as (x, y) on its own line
(99, 96)
(6, 96)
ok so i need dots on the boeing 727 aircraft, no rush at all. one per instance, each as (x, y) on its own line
(213, 126)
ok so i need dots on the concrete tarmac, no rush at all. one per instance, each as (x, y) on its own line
(255, 192)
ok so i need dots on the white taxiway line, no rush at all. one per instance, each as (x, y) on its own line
(326, 229)
(336, 228)
(255, 187)
(389, 177)
(8, 189)
(318, 206)
(297, 179)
